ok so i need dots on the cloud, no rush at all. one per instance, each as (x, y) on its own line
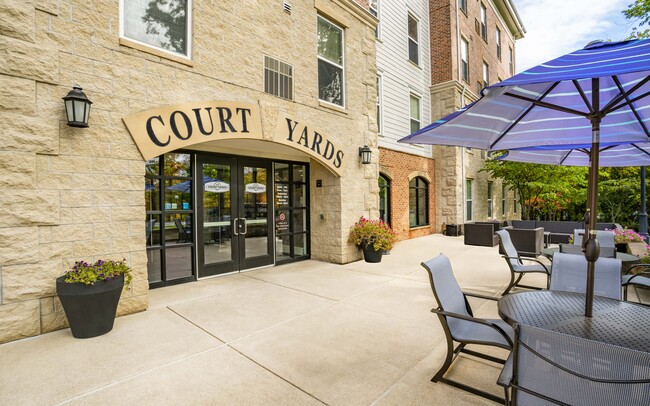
(557, 27)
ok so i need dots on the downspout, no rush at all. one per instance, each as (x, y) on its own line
(462, 103)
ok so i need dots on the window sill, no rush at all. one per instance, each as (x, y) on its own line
(419, 227)
(333, 107)
(414, 64)
(154, 51)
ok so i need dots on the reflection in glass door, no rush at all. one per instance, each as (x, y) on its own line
(253, 221)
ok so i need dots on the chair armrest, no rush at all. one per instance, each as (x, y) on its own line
(480, 296)
(475, 320)
(529, 259)
(636, 266)
(639, 275)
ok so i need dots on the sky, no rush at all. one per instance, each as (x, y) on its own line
(557, 27)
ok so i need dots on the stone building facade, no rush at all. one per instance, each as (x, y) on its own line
(80, 193)
(472, 46)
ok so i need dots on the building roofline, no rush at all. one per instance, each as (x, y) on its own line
(511, 17)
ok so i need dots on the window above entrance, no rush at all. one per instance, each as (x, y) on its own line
(165, 25)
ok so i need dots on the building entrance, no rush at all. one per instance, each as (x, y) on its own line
(234, 220)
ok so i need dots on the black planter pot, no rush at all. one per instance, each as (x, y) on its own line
(370, 255)
(90, 309)
(621, 247)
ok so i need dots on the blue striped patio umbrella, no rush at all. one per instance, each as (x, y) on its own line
(594, 99)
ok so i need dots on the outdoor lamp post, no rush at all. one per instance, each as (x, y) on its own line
(77, 107)
(643, 216)
(365, 153)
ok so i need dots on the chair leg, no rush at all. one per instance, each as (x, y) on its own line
(511, 284)
(625, 293)
(451, 354)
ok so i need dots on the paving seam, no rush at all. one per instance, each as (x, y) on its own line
(278, 375)
(130, 377)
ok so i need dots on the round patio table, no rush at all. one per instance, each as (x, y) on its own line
(615, 322)
(626, 258)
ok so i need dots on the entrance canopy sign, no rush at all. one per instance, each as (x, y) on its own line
(169, 128)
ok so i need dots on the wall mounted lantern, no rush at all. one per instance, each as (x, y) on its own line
(77, 107)
(365, 153)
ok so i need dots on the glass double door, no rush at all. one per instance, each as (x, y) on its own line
(234, 217)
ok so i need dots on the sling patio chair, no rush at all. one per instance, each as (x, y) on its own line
(605, 237)
(638, 276)
(569, 274)
(184, 233)
(517, 267)
(549, 368)
(461, 326)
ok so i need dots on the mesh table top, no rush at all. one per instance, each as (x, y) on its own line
(615, 322)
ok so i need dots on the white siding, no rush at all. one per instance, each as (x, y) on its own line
(400, 77)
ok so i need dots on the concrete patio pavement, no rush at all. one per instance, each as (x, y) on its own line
(304, 333)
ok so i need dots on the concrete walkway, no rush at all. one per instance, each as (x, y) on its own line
(299, 334)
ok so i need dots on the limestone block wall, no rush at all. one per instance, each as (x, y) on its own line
(78, 194)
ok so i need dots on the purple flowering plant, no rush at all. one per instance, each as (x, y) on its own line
(625, 235)
(89, 273)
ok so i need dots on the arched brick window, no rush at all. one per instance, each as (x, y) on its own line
(418, 202)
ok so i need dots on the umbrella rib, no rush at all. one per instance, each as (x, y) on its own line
(582, 94)
(566, 156)
(641, 149)
(636, 113)
(611, 106)
(627, 102)
(514, 123)
(548, 105)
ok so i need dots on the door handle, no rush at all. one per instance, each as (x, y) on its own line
(235, 226)
(245, 226)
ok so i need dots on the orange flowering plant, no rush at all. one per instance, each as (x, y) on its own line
(373, 232)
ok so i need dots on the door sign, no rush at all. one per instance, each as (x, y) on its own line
(217, 187)
(255, 188)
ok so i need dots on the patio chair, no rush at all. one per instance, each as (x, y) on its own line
(149, 230)
(638, 276)
(569, 274)
(461, 326)
(184, 234)
(517, 267)
(555, 368)
(605, 237)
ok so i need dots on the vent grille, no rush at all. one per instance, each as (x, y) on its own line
(286, 7)
(278, 78)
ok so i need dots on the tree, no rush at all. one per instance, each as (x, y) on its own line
(543, 190)
(640, 12)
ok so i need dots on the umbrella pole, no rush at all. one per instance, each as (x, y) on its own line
(591, 247)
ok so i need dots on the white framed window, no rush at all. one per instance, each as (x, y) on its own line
(380, 110)
(374, 10)
(415, 112)
(486, 75)
(514, 202)
(468, 199)
(483, 22)
(498, 41)
(490, 200)
(511, 64)
(464, 59)
(331, 72)
(278, 78)
(413, 39)
(163, 25)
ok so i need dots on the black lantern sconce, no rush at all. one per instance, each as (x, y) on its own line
(365, 153)
(77, 107)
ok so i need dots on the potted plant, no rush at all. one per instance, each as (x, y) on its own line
(374, 237)
(89, 294)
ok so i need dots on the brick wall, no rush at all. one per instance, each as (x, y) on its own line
(443, 60)
(400, 168)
